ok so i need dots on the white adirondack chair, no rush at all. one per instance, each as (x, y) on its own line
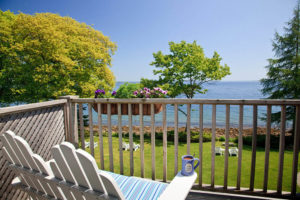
(219, 151)
(73, 175)
(233, 151)
(125, 146)
(87, 144)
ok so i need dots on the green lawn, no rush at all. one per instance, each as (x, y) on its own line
(219, 163)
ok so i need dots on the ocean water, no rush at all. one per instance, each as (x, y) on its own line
(216, 90)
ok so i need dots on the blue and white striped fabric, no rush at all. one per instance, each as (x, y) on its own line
(138, 188)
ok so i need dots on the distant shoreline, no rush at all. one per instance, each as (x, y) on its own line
(233, 132)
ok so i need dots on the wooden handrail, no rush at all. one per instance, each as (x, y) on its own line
(192, 101)
(30, 107)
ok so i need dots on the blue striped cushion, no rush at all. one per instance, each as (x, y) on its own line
(138, 188)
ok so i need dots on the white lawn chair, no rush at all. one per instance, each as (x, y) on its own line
(73, 175)
(136, 146)
(87, 144)
(125, 146)
(233, 151)
(219, 151)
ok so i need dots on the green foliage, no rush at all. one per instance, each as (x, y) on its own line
(186, 68)
(274, 141)
(283, 75)
(222, 139)
(151, 83)
(44, 56)
(126, 90)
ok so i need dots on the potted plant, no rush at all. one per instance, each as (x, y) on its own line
(131, 90)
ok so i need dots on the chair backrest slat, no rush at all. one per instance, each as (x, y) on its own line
(9, 150)
(111, 186)
(42, 165)
(26, 152)
(62, 165)
(68, 150)
(67, 193)
(7, 156)
(55, 170)
(90, 168)
(10, 138)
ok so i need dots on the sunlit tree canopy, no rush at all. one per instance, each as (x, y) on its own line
(44, 56)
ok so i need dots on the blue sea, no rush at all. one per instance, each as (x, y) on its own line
(216, 90)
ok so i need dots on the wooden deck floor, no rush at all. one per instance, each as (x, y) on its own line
(205, 195)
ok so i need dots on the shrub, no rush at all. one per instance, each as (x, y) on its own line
(221, 138)
(274, 141)
(207, 137)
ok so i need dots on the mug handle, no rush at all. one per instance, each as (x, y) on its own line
(197, 163)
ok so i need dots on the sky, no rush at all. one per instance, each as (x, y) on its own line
(241, 31)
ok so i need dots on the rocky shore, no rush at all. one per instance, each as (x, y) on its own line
(233, 132)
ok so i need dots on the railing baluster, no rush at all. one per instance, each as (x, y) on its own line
(142, 140)
(120, 139)
(240, 146)
(295, 152)
(176, 138)
(281, 150)
(66, 121)
(267, 148)
(130, 139)
(91, 129)
(153, 141)
(81, 126)
(226, 145)
(254, 139)
(164, 143)
(200, 143)
(71, 123)
(100, 132)
(188, 130)
(111, 159)
(213, 144)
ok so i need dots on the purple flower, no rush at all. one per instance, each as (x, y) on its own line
(97, 91)
(102, 91)
(164, 92)
(114, 93)
(135, 92)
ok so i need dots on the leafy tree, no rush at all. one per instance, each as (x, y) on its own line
(283, 75)
(186, 69)
(44, 56)
(126, 90)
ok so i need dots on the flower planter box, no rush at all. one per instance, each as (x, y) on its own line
(124, 109)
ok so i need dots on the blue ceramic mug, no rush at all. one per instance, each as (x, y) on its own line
(188, 165)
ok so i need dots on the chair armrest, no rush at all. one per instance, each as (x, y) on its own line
(179, 187)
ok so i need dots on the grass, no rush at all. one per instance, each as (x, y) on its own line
(219, 163)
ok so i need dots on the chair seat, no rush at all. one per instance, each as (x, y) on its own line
(138, 188)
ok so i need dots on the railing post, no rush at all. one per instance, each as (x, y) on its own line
(295, 151)
(71, 118)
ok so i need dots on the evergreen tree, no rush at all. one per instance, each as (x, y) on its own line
(283, 77)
